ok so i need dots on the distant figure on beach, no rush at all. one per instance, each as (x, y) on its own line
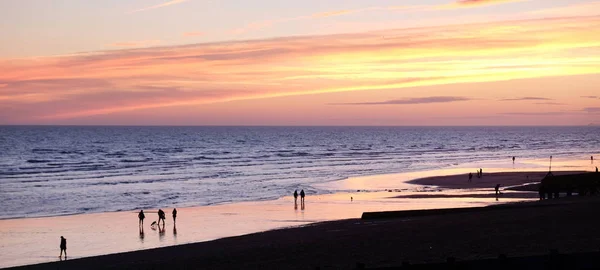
(302, 196)
(296, 196)
(596, 168)
(161, 216)
(352, 199)
(141, 216)
(480, 172)
(63, 247)
(513, 160)
(470, 177)
(174, 215)
(497, 188)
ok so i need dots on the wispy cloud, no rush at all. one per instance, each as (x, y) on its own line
(408, 101)
(551, 103)
(193, 34)
(525, 98)
(142, 43)
(166, 4)
(592, 109)
(117, 81)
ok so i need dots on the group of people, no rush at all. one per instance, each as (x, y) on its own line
(479, 175)
(161, 216)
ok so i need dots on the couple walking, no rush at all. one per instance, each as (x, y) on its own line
(302, 195)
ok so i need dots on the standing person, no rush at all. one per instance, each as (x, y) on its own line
(302, 196)
(480, 172)
(513, 160)
(470, 177)
(63, 247)
(596, 168)
(141, 216)
(161, 215)
(174, 215)
(296, 196)
(497, 188)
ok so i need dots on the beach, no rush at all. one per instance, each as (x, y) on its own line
(567, 225)
(35, 240)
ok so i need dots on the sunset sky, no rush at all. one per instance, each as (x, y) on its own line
(272, 62)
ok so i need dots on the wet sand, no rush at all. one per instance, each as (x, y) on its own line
(35, 240)
(568, 225)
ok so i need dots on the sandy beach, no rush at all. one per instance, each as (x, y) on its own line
(35, 240)
(568, 226)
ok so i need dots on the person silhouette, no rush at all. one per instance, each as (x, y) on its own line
(63, 247)
(596, 168)
(302, 196)
(161, 216)
(141, 216)
(497, 188)
(470, 177)
(174, 215)
(513, 160)
(480, 172)
(296, 196)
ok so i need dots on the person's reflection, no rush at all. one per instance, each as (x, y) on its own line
(295, 205)
(141, 234)
(161, 231)
(174, 229)
(302, 205)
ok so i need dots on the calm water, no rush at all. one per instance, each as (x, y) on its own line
(46, 171)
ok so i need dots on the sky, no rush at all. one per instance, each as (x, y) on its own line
(272, 62)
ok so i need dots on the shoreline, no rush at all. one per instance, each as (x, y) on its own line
(208, 223)
(515, 231)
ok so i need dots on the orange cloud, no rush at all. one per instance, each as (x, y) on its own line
(128, 80)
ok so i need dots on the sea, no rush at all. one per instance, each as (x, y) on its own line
(64, 170)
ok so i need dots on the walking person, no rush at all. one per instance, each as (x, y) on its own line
(470, 177)
(302, 196)
(174, 215)
(63, 247)
(513, 160)
(141, 216)
(296, 196)
(161, 216)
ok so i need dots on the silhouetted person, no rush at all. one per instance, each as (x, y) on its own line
(63, 247)
(497, 188)
(513, 160)
(174, 215)
(295, 196)
(302, 196)
(480, 172)
(161, 216)
(596, 168)
(470, 177)
(141, 216)
(351, 199)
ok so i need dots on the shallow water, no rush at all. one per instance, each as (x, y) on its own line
(35, 240)
(51, 171)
